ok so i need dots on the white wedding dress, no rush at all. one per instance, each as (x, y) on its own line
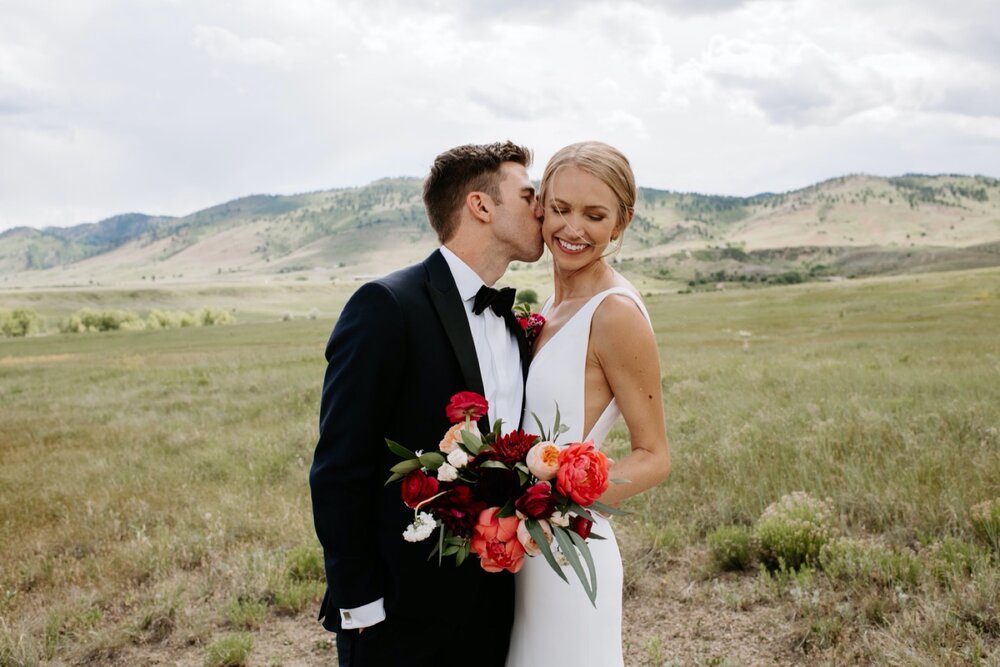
(554, 622)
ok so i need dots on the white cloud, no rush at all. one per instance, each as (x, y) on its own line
(224, 45)
(166, 106)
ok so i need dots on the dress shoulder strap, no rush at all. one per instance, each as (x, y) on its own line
(598, 299)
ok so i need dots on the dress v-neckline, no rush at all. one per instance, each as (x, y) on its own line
(569, 321)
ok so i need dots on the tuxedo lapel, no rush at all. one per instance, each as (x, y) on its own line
(523, 349)
(448, 304)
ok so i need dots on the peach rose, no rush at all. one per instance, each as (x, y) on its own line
(528, 542)
(495, 541)
(452, 438)
(543, 460)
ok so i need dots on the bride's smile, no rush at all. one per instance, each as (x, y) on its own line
(581, 218)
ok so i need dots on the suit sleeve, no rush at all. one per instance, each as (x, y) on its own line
(364, 357)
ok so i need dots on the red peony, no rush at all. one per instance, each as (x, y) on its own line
(583, 473)
(466, 404)
(495, 541)
(581, 525)
(418, 487)
(537, 501)
(457, 509)
(513, 447)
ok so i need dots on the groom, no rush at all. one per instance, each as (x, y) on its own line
(404, 344)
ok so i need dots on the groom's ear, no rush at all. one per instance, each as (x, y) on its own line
(479, 205)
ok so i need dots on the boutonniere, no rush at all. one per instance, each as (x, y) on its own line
(531, 323)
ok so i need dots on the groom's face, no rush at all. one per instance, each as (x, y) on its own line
(517, 217)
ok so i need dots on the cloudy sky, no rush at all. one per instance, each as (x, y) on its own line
(168, 106)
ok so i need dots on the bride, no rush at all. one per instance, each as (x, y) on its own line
(596, 357)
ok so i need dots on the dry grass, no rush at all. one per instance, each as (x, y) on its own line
(153, 494)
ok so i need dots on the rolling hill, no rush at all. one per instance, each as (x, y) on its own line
(854, 224)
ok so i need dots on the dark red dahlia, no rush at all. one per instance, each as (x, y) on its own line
(457, 509)
(513, 447)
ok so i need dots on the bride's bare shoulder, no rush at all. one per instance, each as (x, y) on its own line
(618, 313)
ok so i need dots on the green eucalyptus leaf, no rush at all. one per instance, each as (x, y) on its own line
(506, 510)
(584, 549)
(543, 434)
(473, 443)
(440, 546)
(399, 450)
(598, 506)
(569, 551)
(494, 464)
(394, 477)
(538, 535)
(432, 460)
(406, 467)
(450, 551)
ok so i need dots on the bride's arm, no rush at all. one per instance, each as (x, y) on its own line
(625, 347)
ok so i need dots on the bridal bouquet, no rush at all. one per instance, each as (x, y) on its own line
(504, 496)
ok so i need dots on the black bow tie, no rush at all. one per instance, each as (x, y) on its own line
(500, 301)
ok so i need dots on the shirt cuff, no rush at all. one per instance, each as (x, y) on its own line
(363, 617)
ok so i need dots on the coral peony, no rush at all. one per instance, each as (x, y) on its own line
(583, 473)
(495, 541)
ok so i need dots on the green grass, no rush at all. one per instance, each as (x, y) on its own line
(154, 495)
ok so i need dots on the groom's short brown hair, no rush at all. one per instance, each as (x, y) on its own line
(461, 170)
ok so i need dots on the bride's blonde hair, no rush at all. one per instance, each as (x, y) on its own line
(604, 162)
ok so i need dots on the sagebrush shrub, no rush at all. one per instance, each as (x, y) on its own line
(792, 530)
(305, 563)
(731, 547)
(230, 651)
(863, 562)
(209, 316)
(985, 518)
(952, 559)
(19, 322)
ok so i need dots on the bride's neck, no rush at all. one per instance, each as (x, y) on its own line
(583, 282)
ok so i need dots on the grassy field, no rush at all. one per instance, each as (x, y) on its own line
(154, 501)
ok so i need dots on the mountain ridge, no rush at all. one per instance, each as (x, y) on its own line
(363, 229)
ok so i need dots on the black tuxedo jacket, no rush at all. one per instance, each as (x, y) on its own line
(400, 349)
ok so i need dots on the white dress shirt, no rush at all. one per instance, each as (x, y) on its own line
(496, 348)
(500, 367)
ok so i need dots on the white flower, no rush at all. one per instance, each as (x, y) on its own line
(458, 458)
(559, 519)
(528, 542)
(447, 473)
(421, 528)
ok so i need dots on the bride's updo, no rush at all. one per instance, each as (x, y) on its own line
(604, 162)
